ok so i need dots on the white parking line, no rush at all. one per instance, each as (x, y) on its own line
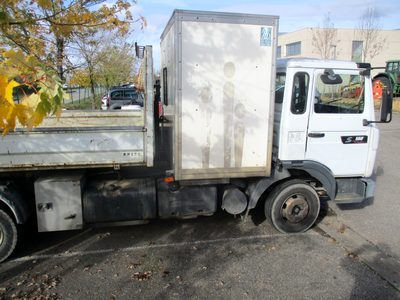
(158, 246)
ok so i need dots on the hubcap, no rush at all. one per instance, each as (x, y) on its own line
(295, 208)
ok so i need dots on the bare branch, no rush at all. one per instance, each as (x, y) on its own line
(368, 32)
(324, 39)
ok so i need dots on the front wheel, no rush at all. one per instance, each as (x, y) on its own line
(292, 206)
(8, 235)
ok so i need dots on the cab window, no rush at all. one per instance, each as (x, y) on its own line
(346, 97)
(279, 87)
(299, 93)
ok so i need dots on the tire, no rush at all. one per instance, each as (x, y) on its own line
(8, 235)
(292, 206)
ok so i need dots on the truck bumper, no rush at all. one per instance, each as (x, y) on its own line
(354, 190)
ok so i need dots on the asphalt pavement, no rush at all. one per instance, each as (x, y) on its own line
(207, 258)
(352, 253)
(378, 220)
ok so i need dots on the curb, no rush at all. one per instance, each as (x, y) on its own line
(384, 265)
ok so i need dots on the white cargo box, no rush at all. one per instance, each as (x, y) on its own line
(218, 78)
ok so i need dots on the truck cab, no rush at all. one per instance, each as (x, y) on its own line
(324, 116)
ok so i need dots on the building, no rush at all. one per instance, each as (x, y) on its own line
(347, 46)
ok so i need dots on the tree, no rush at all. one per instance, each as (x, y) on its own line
(88, 44)
(368, 31)
(39, 32)
(101, 61)
(80, 77)
(324, 39)
(43, 28)
(116, 64)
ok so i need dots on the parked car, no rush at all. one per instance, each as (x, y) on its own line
(119, 97)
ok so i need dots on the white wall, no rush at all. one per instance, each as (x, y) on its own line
(345, 37)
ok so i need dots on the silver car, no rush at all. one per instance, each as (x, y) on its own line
(119, 97)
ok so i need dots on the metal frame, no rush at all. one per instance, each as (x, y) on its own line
(219, 17)
(175, 21)
(149, 108)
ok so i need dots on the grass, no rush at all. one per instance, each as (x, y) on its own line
(83, 104)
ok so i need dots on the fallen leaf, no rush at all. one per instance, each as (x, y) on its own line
(141, 276)
(86, 268)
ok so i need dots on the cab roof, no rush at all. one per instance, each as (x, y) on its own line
(283, 63)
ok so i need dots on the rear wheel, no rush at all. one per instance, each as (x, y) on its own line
(8, 235)
(292, 206)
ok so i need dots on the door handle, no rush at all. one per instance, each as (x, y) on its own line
(316, 134)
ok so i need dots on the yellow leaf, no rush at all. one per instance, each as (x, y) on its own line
(35, 120)
(31, 101)
(6, 89)
(9, 91)
(44, 3)
(3, 86)
(8, 116)
(4, 112)
(23, 113)
(58, 113)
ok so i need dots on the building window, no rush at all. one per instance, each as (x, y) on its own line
(356, 51)
(293, 49)
(279, 52)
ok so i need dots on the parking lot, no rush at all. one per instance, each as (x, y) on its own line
(352, 253)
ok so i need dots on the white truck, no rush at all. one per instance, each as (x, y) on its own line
(239, 128)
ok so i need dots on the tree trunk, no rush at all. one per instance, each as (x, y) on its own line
(60, 43)
(92, 88)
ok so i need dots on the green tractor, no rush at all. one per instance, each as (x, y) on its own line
(390, 78)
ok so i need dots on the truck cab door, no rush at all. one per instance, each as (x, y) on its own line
(336, 136)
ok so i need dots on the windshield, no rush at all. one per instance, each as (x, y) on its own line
(344, 97)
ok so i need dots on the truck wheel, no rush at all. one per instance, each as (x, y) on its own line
(8, 235)
(292, 206)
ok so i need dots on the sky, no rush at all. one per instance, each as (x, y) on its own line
(293, 15)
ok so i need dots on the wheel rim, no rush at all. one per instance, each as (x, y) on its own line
(295, 208)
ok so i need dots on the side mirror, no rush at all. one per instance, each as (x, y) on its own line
(386, 105)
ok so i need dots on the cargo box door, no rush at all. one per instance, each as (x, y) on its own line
(225, 108)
